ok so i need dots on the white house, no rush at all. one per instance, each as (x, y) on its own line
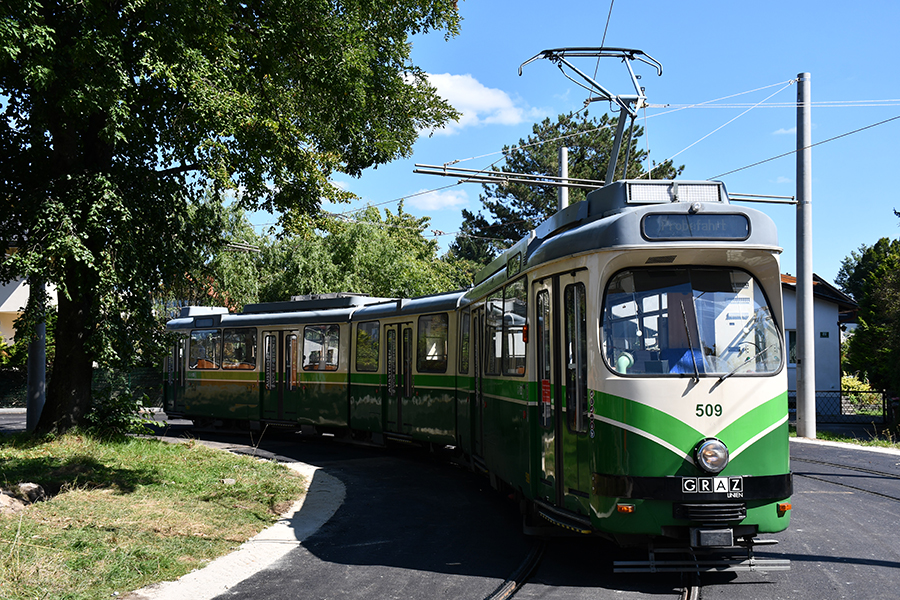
(831, 309)
(13, 297)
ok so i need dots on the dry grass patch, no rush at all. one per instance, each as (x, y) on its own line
(127, 513)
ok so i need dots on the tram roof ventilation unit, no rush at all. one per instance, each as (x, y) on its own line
(202, 311)
(634, 193)
(314, 302)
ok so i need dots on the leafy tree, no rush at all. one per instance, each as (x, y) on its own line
(516, 208)
(234, 269)
(120, 117)
(869, 275)
(388, 257)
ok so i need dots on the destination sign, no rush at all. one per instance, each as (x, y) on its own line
(696, 226)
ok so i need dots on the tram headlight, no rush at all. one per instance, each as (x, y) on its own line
(711, 455)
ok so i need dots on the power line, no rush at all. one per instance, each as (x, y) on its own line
(676, 108)
(790, 83)
(831, 139)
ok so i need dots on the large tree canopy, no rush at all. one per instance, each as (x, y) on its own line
(380, 256)
(516, 208)
(120, 117)
(870, 276)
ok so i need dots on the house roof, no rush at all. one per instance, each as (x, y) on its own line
(847, 307)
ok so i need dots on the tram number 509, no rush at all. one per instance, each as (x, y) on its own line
(709, 410)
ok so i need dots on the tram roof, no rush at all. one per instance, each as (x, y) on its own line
(611, 217)
(315, 310)
(274, 319)
(448, 301)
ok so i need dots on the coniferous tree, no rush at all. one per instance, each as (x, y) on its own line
(511, 210)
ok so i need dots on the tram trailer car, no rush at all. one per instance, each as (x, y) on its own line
(621, 369)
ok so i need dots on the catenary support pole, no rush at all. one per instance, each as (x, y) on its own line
(564, 174)
(806, 358)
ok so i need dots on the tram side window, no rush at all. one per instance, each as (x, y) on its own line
(367, 346)
(320, 347)
(431, 353)
(290, 360)
(464, 337)
(204, 351)
(239, 348)
(494, 334)
(576, 357)
(514, 319)
(543, 335)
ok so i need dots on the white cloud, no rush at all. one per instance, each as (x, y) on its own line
(783, 179)
(479, 105)
(441, 200)
(783, 131)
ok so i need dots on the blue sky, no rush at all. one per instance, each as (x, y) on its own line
(747, 52)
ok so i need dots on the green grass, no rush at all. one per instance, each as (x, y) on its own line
(886, 439)
(128, 513)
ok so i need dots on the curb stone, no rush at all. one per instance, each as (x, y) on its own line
(323, 497)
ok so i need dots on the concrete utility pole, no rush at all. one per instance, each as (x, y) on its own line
(36, 393)
(806, 357)
(563, 174)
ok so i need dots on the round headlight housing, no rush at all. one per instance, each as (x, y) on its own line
(711, 455)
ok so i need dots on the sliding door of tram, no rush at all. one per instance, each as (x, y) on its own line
(399, 362)
(175, 378)
(279, 391)
(478, 361)
(561, 310)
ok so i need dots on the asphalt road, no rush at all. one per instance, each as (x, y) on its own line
(414, 526)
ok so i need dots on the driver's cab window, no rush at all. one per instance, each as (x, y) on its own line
(688, 321)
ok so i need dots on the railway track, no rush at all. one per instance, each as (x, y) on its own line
(828, 477)
(515, 581)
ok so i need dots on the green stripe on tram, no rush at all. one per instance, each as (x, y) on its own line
(648, 420)
(653, 423)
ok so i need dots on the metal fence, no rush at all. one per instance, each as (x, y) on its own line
(847, 407)
(149, 381)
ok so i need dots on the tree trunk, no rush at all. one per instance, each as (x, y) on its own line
(69, 386)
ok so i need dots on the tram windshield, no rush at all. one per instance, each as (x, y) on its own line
(689, 322)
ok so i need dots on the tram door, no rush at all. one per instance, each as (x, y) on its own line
(279, 364)
(175, 377)
(550, 384)
(562, 334)
(478, 404)
(399, 349)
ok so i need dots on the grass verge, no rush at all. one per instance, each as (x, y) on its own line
(126, 513)
(887, 438)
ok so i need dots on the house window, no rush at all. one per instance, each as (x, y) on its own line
(792, 346)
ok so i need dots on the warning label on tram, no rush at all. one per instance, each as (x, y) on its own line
(730, 487)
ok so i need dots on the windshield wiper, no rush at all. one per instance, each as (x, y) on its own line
(749, 358)
(687, 331)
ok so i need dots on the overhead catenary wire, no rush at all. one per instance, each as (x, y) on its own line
(722, 126)
(715, 103)
(831, 139)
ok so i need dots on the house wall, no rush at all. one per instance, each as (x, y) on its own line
(13, 297)
(827, 341)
